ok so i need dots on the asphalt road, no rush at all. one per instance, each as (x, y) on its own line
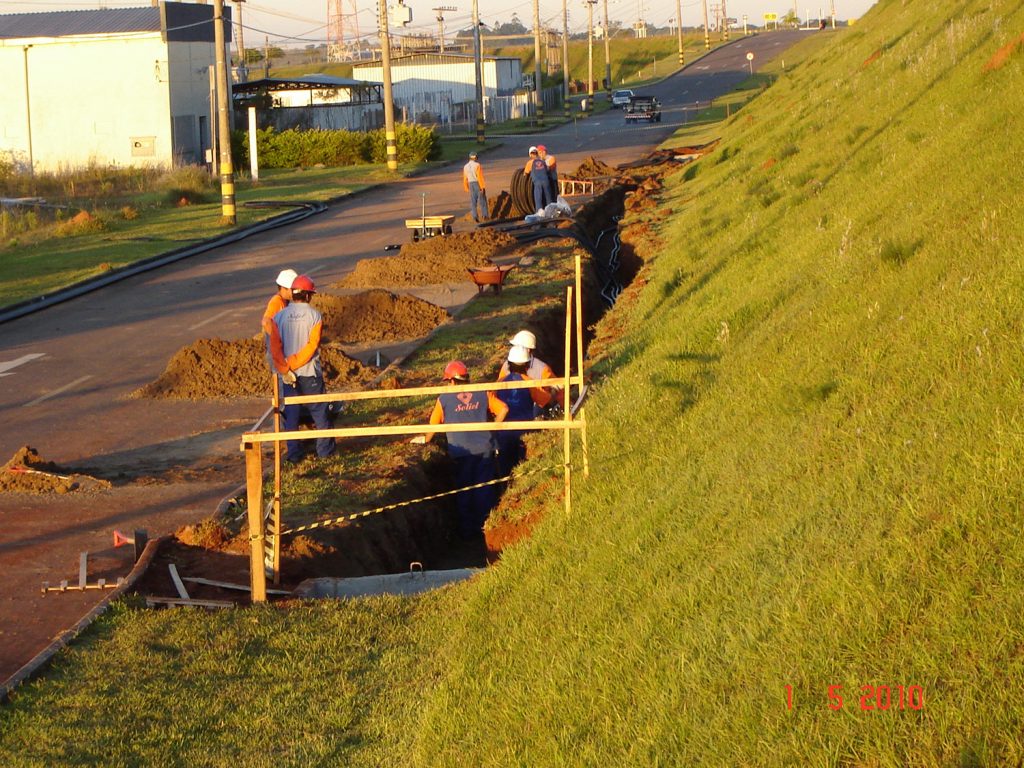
(68, 369)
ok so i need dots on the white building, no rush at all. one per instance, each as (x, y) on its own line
(120, 86)
(435, 84)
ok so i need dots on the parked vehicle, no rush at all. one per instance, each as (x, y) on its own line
(621, 98)
(643, 108)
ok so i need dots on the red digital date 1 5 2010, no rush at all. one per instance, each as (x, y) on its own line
(873, 697)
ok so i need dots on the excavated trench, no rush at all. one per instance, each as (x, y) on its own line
(423, 532)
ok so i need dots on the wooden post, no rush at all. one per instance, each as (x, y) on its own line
(566, 409)
(583, 434)
(579, 323)
(277, 482)
(254, 490)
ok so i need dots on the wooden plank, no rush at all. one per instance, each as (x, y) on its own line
(182, 592)
(380, 394)
(254, 491)
(178, 601)
(229, 585)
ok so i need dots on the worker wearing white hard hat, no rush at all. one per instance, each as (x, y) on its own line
(523, 405)
(536, 369)
(280, 299)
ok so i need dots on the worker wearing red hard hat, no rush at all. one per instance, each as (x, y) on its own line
(537, 370)
(471, 453)
(295, 348)
(537, 170)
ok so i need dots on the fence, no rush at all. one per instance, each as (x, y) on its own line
(265, 545)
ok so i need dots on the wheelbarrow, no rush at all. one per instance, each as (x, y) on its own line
(429, 226)
(489, 276)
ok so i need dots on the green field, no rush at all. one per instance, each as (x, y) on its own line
(806, 450)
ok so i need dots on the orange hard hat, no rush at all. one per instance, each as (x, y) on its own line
(456, 369)
(304, 284)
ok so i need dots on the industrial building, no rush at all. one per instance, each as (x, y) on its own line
(119, 86)
(442, 86)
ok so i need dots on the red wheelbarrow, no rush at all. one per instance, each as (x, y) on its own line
(490, 276)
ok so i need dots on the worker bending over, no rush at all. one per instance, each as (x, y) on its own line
(471, 453)
(521, 405)
(295, 348)
(537, 370)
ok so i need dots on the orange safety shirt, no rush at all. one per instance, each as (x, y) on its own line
(496, 408)
(538, 371)
(472, 171)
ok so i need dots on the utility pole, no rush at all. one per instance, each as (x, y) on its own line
(679, 29)
(590, 55)
(707, 37)
(478, 72)
(725, 23)
(565, 60)
(227, 176)
(266, 56)
(607, 54)
(389, 104)
(538, 89)
(440, 23)
(833, 14)
(240, 39)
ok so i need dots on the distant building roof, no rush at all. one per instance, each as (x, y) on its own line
(303, 83)
(432, 57)
(178, 22)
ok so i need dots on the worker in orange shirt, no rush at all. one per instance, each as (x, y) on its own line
(537, 370)
(471, 453)
(473, 182)
(537, 170)
(280, 299)
(523, 404)
(552, 163)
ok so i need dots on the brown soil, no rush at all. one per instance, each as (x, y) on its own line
(431, 261)
(377, 315)
(213, 368)
(501, 206)
(592, 167)
(27, 472)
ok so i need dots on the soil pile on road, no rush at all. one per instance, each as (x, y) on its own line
(435, 260)
(213, 368)
(592, 168)
(376, 316)
(27, 472)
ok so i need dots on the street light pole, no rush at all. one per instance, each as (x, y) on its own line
(227, 176)
(28, 117)
(707, 37)
(607, 54)
(679, 29)
(389, 104)
(565, 60)
(538, 94)
(590, 55)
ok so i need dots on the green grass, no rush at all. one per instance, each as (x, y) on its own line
(805, 470)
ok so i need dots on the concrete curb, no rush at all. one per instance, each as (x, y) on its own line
(41, 659)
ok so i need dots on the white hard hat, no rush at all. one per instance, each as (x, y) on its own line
(532, 150)
(524, 339)
(286, 277)
(518, 355)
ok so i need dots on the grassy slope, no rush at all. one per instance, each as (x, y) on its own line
(805, 472)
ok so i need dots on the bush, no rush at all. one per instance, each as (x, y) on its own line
(191, 183)
(298, 149)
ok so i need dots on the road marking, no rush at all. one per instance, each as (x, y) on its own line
(317, 268)
(10, 365)
(219, 315)
(56, 392)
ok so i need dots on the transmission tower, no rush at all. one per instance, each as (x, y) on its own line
(341, 27)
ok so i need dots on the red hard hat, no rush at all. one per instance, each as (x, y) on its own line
(541, 148)
(303, 283)
(456, 369)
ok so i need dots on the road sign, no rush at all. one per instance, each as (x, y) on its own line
(771, 17)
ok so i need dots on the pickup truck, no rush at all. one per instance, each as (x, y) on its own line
(643, 108)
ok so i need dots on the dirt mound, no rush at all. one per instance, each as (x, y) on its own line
(501, 206)
(213, 368)
(592, 167)
(27, 472)
(377, 315)
(436, 260)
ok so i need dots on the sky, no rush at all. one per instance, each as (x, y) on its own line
(304, 22)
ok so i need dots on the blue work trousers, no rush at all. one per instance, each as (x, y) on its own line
(473, 507)
(477, 199)
(306, 385)
(541, 193)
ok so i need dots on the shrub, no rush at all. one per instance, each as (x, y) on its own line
(298, 149)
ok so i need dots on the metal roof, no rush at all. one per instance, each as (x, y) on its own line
(305, 82)
(433, 57)
(68, 23)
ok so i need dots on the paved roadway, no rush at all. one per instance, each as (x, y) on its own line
(68, 369)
